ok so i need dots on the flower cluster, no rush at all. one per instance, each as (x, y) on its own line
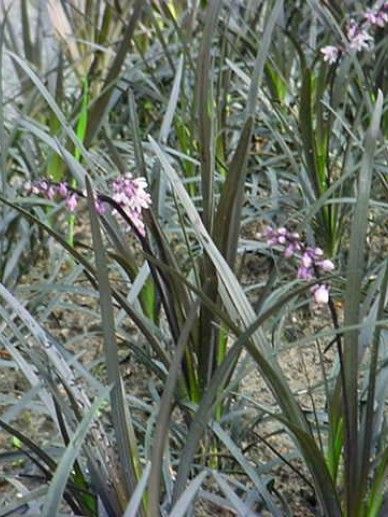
(128, 192)
(51, 191)
(377, 17)
(311, 260)
(357, 34)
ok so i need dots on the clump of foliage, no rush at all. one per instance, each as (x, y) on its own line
(168, 130)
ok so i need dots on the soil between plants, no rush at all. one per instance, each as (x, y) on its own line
(302, 368)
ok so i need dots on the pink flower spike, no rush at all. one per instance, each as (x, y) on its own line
(130, 193)
(321, 294)
(330, 54)
(72, 202)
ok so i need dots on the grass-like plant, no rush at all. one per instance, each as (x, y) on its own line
(226, 117)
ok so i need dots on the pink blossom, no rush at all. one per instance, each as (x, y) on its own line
(63, 189)
(357, 34)
(311, 259)
(72, 202)
(304, 273)
(35, 190)
(290, 250)
(272, 242)
(330, 54)
(137, 221)
(283, 237)
(379, 17)
(42, 186)
(359, 38)
(315, 252)
(326, 265)
(130, 193)
(271, 236)
(51, 191)
(306, 260)
(321, 294)
(120, 198)
(100, 206)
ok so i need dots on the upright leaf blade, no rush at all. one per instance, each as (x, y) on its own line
(59, 481)
(118, 402)
(182, 505)
(355, 271)
(206, 118)
(99, 109)
(166, 401)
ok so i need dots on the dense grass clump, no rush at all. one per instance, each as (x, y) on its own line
(193, 269)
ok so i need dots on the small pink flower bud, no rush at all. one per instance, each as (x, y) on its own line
(306, 260)
(51, 191)
(321, 295)
(289, 251)
(62, 189)
(100, 206)
(72, 202)
(304, 273)
(330, 54)
(317, 252)
(42, 186)
(326, 265)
